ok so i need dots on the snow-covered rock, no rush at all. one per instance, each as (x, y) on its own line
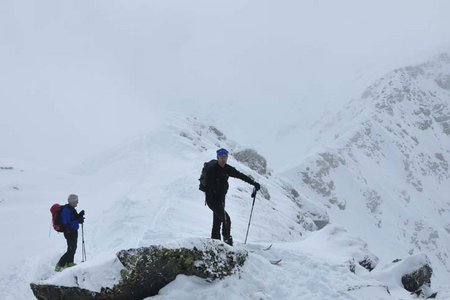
(142, 272)
(412, 273)
(252, 159)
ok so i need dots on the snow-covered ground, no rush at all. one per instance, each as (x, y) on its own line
(78, 77)
(145, 191)
(386, 169)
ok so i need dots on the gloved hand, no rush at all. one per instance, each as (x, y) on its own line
(80, 217)
(256, 185)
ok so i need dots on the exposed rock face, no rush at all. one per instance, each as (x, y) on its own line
(390, 149)
(253, 160)
(48, 292)
(148, 269)
(444, 81)
(414, 272)
(368, 263)
(264, 192)
(416, 281)
(208, 138)
(318, 177)
(311, 217)
(218, 133)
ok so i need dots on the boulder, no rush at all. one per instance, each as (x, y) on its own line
(252, 159)
(49, 292)
(416, 281)
(412, 273)
(148, 269)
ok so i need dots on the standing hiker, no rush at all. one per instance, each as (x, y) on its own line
(216, 186)
(70, 221)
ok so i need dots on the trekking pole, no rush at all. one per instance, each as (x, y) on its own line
(83, 249)
(50, 229)
(248, 227)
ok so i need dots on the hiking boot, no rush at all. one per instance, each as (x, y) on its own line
(58, 268)
(70, 264)
(228, 240)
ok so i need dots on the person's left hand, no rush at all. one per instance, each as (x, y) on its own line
(80, 217)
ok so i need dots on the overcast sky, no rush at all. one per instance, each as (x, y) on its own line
(77, 77)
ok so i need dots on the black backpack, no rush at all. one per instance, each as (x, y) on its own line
(206, 165)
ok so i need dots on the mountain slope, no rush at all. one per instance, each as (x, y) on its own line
(143, 192)
(159, 173)
(385, 175)
(381, 183)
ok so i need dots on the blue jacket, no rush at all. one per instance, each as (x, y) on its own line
(69, 218)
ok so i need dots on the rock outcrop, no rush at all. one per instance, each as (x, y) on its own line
(418, 280)
(252, 159)
(388, 151)
(148, 269)
(412, 273)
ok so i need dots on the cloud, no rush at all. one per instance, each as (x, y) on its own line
(78, 75)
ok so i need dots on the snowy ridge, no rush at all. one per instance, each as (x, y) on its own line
(377, 193)
(388, 171)
(155, 180)
(317, 267)
(144, 192)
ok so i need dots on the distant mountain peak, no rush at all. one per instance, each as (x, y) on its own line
(387, 160)
(422, 92)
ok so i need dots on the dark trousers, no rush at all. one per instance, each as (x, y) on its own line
(220, 217)
(71, 238)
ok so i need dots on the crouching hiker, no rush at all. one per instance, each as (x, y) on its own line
(214, 182)
(70, 221)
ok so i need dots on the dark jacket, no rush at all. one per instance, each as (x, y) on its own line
(217, 178)
(69, 218)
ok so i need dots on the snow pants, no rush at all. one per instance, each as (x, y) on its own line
(220, 217)
(71, 238)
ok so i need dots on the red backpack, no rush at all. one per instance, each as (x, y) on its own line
(56, 217)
